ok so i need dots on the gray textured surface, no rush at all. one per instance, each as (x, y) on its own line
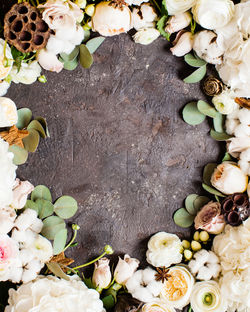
(118, 144)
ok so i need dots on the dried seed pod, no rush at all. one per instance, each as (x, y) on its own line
(243, 102)
(236, 208)
(212, 86)
(25, 29)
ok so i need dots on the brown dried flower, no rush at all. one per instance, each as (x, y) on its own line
(14, 136)
(243, 102)
(236, 208)
(162, 274)
(62, 261)
(212, 86)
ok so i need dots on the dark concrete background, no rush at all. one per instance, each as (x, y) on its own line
(118, 144)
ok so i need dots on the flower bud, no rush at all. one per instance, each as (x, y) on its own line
(90, 9)
(42, 79)
(186, 244)
(178, 22)
(195, 245)
(81, 3)
(188, 254)
(20, 193)
(196, 236)
(204, 236)
(102, 274)
(109, 250)
(125, 269)
(183, 44)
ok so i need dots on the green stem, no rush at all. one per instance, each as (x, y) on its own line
(91, 262)
(72, 240)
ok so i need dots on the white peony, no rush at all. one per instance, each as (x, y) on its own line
(213, 14)
(27, 74)
(8, 112)
(5, 70)
(7, 174)
(53, 294)
(7, 218)
(4, 86)
(144, 16)
(146, 36)
(224, 102)
(164, 250)
(178, 6)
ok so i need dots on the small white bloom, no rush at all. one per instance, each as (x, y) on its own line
(7, 218)
(42, 249)
(4, 86)
(146, 36)
(102, 274)
(49, 61)
(8, 112)
(144, 16)
(27, 74)
(178, 22)
(125, 269)
(231, 125)
(164, 250)
(21, 191)
(4, 71)
(224, 102)
(183, 44)
(179, 6)
(26, 219)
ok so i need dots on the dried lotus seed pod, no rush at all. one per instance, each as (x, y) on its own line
(25, 29)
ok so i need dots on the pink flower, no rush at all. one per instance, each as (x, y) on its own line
(20, 193)
(8, 249)
(102, 274)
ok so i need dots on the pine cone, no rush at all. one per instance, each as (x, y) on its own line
(212, 86)
(236, 208)
(243, 102)
(25, 29)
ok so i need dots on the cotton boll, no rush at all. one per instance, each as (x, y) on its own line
(231, 125)
(68, 47)
(143, 17)
(55, 45)
(66, 34)
(143, 295)
(244, 116)
(37, 225)
(155, 287)
(148, 275)
(245, 155)
(24, 237)
(16, 274)
(26, 219)
(78, 37)
(204, 274)
(31, 270)
(242, 131)
(215, 267)
(26, 256)
(212, 257)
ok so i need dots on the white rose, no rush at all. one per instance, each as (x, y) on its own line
(4, 71)
(7, 218)
(110, 21)
(125, 269)
(8, 112)
(178, 22)
(183, 44)
(179, 6)
(4, 86)
(164, 250)
(144, 16)
(157, 306)
(146, 36)
(49, 61)
(27, 74)
(206, 47)
(213, 14)
(224, 102)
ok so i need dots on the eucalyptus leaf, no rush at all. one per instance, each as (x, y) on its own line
(55, 268)
(65, 207)
(182, 218)
(192, 115)
(41, 192)
(31, 205)
(86, 59)
(60, 241)
(212, 190)
(43, 122)
(191, 60)
(46, 208)
(72, 56)
(218, 136)
(35, 124)
(71, 65)
(200, 201)
(197, 75)
(94, 44)
(208, 171)
(87, 34)
(24, 117)
(189, 204)
(206, 109)
(20, 154)
(51, 226)
(31, 142)
(218, 122)
(227, 157)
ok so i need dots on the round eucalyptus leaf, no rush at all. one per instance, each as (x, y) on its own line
(200, 201)
(24, 117)
(182, 218)
(31, 142)
(31, 205)
(94, 44)
(191, 60)
(208, 171)
(41, 192)
(51, 226)
(70, 57)
(192, 115)
(46, 208)
(20, 154)
(35, 124)
(65, 207)
(60, 241)
(219, 136)
(212, 190)
(206, 109)
(71, 65)
(197, 75)
(218, 122)
(43, 122)
(86, 58)
(189, 204)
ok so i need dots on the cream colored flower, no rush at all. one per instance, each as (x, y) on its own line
(157, 306)
(49, 61)
(144, 16)
(7, 218)
(146, 36)
(110, 21)
(228, 178)
(4, 86)
(213, 14)
(206, 296)
(178, 287)
(41, 249)
(8, 112)
(27, 74)
(236, 145)
(102, 274)
(125, 269)
(164, 250)
(21, 191)
(224, 102)
(5, 70)
(178, 22)
(179, 6)
(53, 294)
(135, 2)
(183, 44)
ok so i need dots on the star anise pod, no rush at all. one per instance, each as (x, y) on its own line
(118, 4)
(212, 86)
(62, 261)
(162, 274)
(243, 102)
(14, 136)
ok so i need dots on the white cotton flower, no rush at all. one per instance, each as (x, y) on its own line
(164, 250)
(78, 36)
(31, 270)
(4, 71)
(179, 6)
(143, 285)
(244, 116)
(26, 219)
(224, 102)
(144, 16)
(231, 125)
(244, 166)
(4, 86)
(21, 190)
(28, 73)
(7, 218)
(8, 112)
(183, 44)
(55, 45)
(53, 294)
(178, 22)
(24, 238)
(242, 130)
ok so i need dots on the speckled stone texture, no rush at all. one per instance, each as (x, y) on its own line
(118, 144)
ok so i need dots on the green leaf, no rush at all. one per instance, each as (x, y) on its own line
(72, 56)
(193, 61)
(208, 171)
(192, 115)
(43, 122)
(65, 207)
(218, 136)
(24, 117)
(161, 24)
(189, 204)
(31, 142)
(211, 190)
(60, 241)
(31, 205)
(227, 157)
(218, 122)
(20, 154)
(41, 192)
(57, 271)
(94, 44)
(108, 302)
(36, 125)
(87, 34)
(88, 282)
(71, 65)
(51, 226)
(86, 59)
(197, 75)
(46, 208)
(200, 201)
(206, 109)
(182, 218)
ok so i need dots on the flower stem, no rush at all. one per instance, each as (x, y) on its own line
(91, 262)
(72, 240)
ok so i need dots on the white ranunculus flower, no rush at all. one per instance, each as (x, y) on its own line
(179, 6)
(7, 218)
(53, 294)
(178, 287)
(49, 61)
(27, 74)
(146, 36)
(213, 14)
(7, 174)
(41, 249)
(224, 102)
(144, 16)
(4, 71)
(4, 86)
(164, 250)
(206, 296)
(157, 306)
(8, 112)
(125, 269)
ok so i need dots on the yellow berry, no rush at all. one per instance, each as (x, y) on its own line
(185, 244)
(188, 254)
(196, 236)
(90, 9)
(204, 236)
(195, 246)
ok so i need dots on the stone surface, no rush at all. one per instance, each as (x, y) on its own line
(118, 144)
